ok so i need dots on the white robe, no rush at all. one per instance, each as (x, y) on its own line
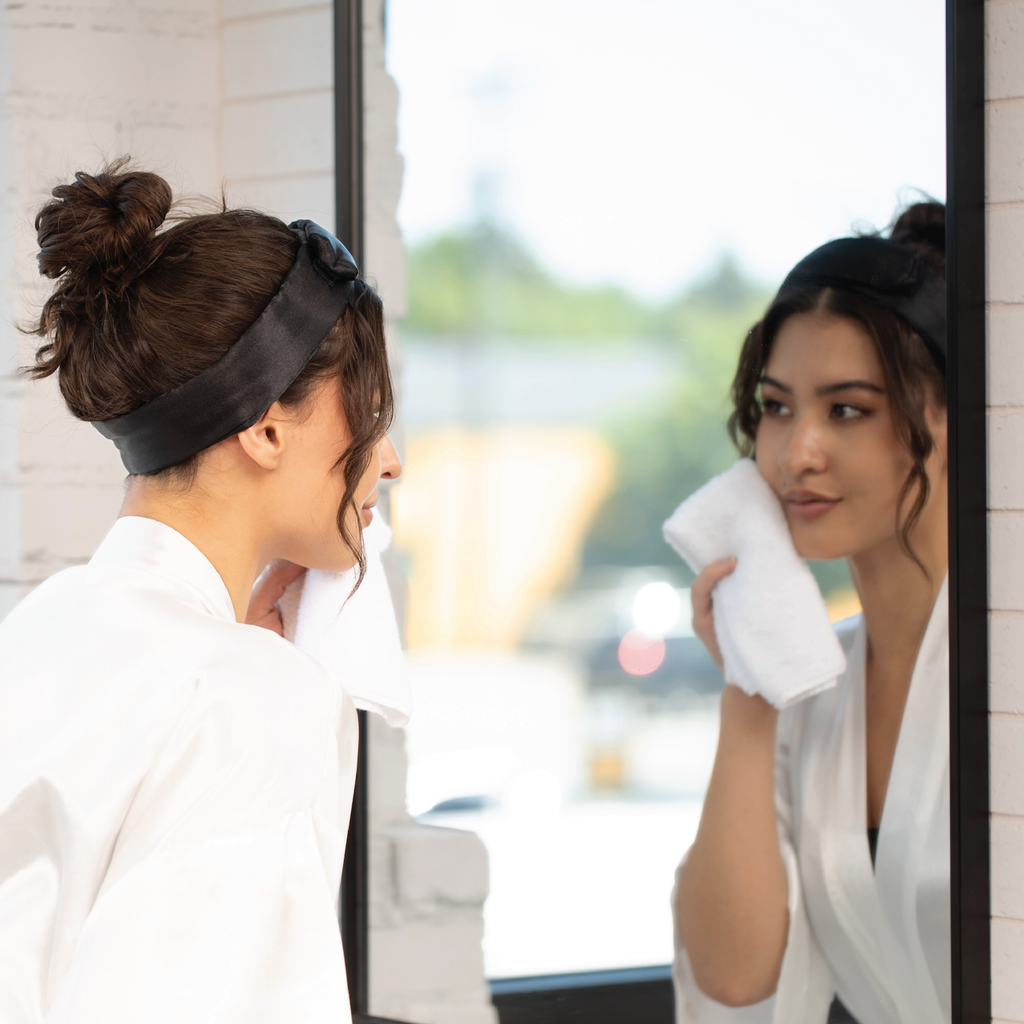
(174, 798)
(879, 939)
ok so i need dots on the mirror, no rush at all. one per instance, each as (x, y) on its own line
(562, 397)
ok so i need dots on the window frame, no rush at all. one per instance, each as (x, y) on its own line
(600, 997)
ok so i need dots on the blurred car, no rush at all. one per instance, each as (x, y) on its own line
(631, 629)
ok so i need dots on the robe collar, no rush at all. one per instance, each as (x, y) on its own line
(878, 928)
(154, 547)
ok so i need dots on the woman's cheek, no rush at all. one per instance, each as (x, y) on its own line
(765, 460)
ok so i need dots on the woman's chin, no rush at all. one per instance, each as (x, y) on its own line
(339, 565)
(331, 561)
(822, 555)
(817, 549)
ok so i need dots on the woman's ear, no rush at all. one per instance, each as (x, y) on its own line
(264, 441)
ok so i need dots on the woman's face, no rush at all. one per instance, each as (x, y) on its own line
(312, 486)
(826, 441)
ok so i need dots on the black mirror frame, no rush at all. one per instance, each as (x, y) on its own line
(646, 996)
(968, 510)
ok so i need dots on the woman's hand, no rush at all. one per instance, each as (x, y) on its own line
(263, 610)
(703, 606)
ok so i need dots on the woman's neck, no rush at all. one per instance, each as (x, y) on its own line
(218, 526)
(897, 596)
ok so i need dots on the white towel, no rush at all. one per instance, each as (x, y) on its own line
(770, 619)
(356, 637)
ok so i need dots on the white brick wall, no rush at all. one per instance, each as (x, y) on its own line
(1004, 53)
(427, 889)
(278, 107)
(78, 84)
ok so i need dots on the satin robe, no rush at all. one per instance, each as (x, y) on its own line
(174, 798)
(880, 939)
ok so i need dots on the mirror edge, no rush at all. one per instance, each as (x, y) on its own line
(968, 542)
(349, 216)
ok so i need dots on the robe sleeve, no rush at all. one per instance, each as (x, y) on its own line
(219, 903)
(804, 990)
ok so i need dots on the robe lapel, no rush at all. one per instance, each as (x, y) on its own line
(868, 925)
(913, 846)
(839, 885)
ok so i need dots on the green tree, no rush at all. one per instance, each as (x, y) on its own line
(666, 453)
(482, 280)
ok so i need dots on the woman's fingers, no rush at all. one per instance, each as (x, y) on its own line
(703, 605)
(700, 592)
(273, 582)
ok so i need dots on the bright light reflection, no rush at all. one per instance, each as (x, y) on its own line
(640, 655)
(656, 608)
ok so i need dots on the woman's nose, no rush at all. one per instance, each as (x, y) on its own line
(390, 463)
(804, 451)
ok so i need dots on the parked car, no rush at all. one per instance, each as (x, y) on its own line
(631, 629)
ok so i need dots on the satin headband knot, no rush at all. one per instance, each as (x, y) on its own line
(893, 276)
(233, 393)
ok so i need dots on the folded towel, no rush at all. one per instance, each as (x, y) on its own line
(770, 619)
(356, 637)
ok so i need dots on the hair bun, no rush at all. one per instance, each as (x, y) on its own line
(921, 225)
(100, 225)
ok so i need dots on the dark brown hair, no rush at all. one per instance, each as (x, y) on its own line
(137, 311)
(912, 377)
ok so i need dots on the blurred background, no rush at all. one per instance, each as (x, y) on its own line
(598, 203)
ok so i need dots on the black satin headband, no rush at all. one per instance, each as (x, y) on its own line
(893, 276)
(233, 393)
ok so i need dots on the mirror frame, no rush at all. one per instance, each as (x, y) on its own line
(349, 216)
(968, 508)
(645, 996)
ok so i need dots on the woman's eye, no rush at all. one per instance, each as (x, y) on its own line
(842, 411)
(773, 407)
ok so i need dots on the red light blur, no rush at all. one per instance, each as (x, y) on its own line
(640, 655)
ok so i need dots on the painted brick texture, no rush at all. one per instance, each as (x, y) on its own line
(1004, 54)
(79, 84)
(278, 107)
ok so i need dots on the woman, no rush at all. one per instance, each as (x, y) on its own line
(175, 784)
(840, 399)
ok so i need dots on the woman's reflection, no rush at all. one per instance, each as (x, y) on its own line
(840, 398)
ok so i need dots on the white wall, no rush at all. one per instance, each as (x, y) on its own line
(427, 889)
(278, 107)
(1004, 53)
(80, 84)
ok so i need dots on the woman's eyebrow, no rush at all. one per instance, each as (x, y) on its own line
(849, 385)
(765, 379)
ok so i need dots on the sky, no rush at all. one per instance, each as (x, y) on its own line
(636, 142)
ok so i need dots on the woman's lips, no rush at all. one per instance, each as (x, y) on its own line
(809, 506)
